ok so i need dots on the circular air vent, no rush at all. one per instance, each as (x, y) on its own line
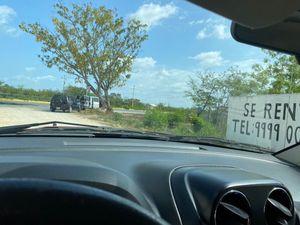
(279, 208)
(233, 208)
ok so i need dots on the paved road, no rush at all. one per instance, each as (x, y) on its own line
(12, 113)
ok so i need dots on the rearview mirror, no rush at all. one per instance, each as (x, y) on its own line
(283, 37)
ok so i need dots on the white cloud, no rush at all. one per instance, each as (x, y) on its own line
(196, 22)
(30, 68)
(145, 62)
(7, 14)
(163, 85)
(164, 73)
(152, 14)
(221, 31)
(158, 84)
(202, 34)
(46, 77)
(246, 65)
(34, 79)
(20, 77)
(212, 28)
(209, 59)
(12, 31)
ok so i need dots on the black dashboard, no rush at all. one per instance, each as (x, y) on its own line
(182, 183)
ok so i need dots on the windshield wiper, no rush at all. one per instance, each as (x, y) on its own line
(109, 132)
(19, 128)
(76, 129)
(211, 141)
(220, 142)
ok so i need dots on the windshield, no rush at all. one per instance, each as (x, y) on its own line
(158, 66)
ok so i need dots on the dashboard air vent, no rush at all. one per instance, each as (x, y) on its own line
(233, 208)
(279, 208)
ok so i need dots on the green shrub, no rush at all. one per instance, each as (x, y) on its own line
(155, 119)
(197, 123)
(183, 129)
(175, 118)
(117, 117)
(201, 127)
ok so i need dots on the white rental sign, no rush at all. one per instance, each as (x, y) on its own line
(270, 121)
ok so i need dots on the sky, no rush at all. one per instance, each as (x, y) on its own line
(184, 39)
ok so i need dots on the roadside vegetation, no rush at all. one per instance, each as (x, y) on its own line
(167, 119)
(177, 122)
(11, 92)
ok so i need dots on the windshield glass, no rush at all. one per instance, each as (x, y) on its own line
(159, 66)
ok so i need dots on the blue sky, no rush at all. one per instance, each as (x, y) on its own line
(183, 39)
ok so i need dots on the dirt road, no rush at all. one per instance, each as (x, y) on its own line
(22, 113)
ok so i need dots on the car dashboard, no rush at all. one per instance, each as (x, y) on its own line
(182, 183)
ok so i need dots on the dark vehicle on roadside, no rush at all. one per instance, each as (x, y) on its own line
(65, 103)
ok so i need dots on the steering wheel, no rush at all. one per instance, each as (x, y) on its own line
(45, 202)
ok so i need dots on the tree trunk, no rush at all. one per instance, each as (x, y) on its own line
(107, 101)
(101, 100)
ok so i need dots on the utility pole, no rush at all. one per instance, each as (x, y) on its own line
(133, 89)
(64, 82)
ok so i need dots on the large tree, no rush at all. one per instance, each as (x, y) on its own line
(204, 90)
(278, 74)
(210, 91)
(92, 43)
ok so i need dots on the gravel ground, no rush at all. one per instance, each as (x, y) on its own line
(14, 114)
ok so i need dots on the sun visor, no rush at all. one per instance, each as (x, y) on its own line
(252, 13)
